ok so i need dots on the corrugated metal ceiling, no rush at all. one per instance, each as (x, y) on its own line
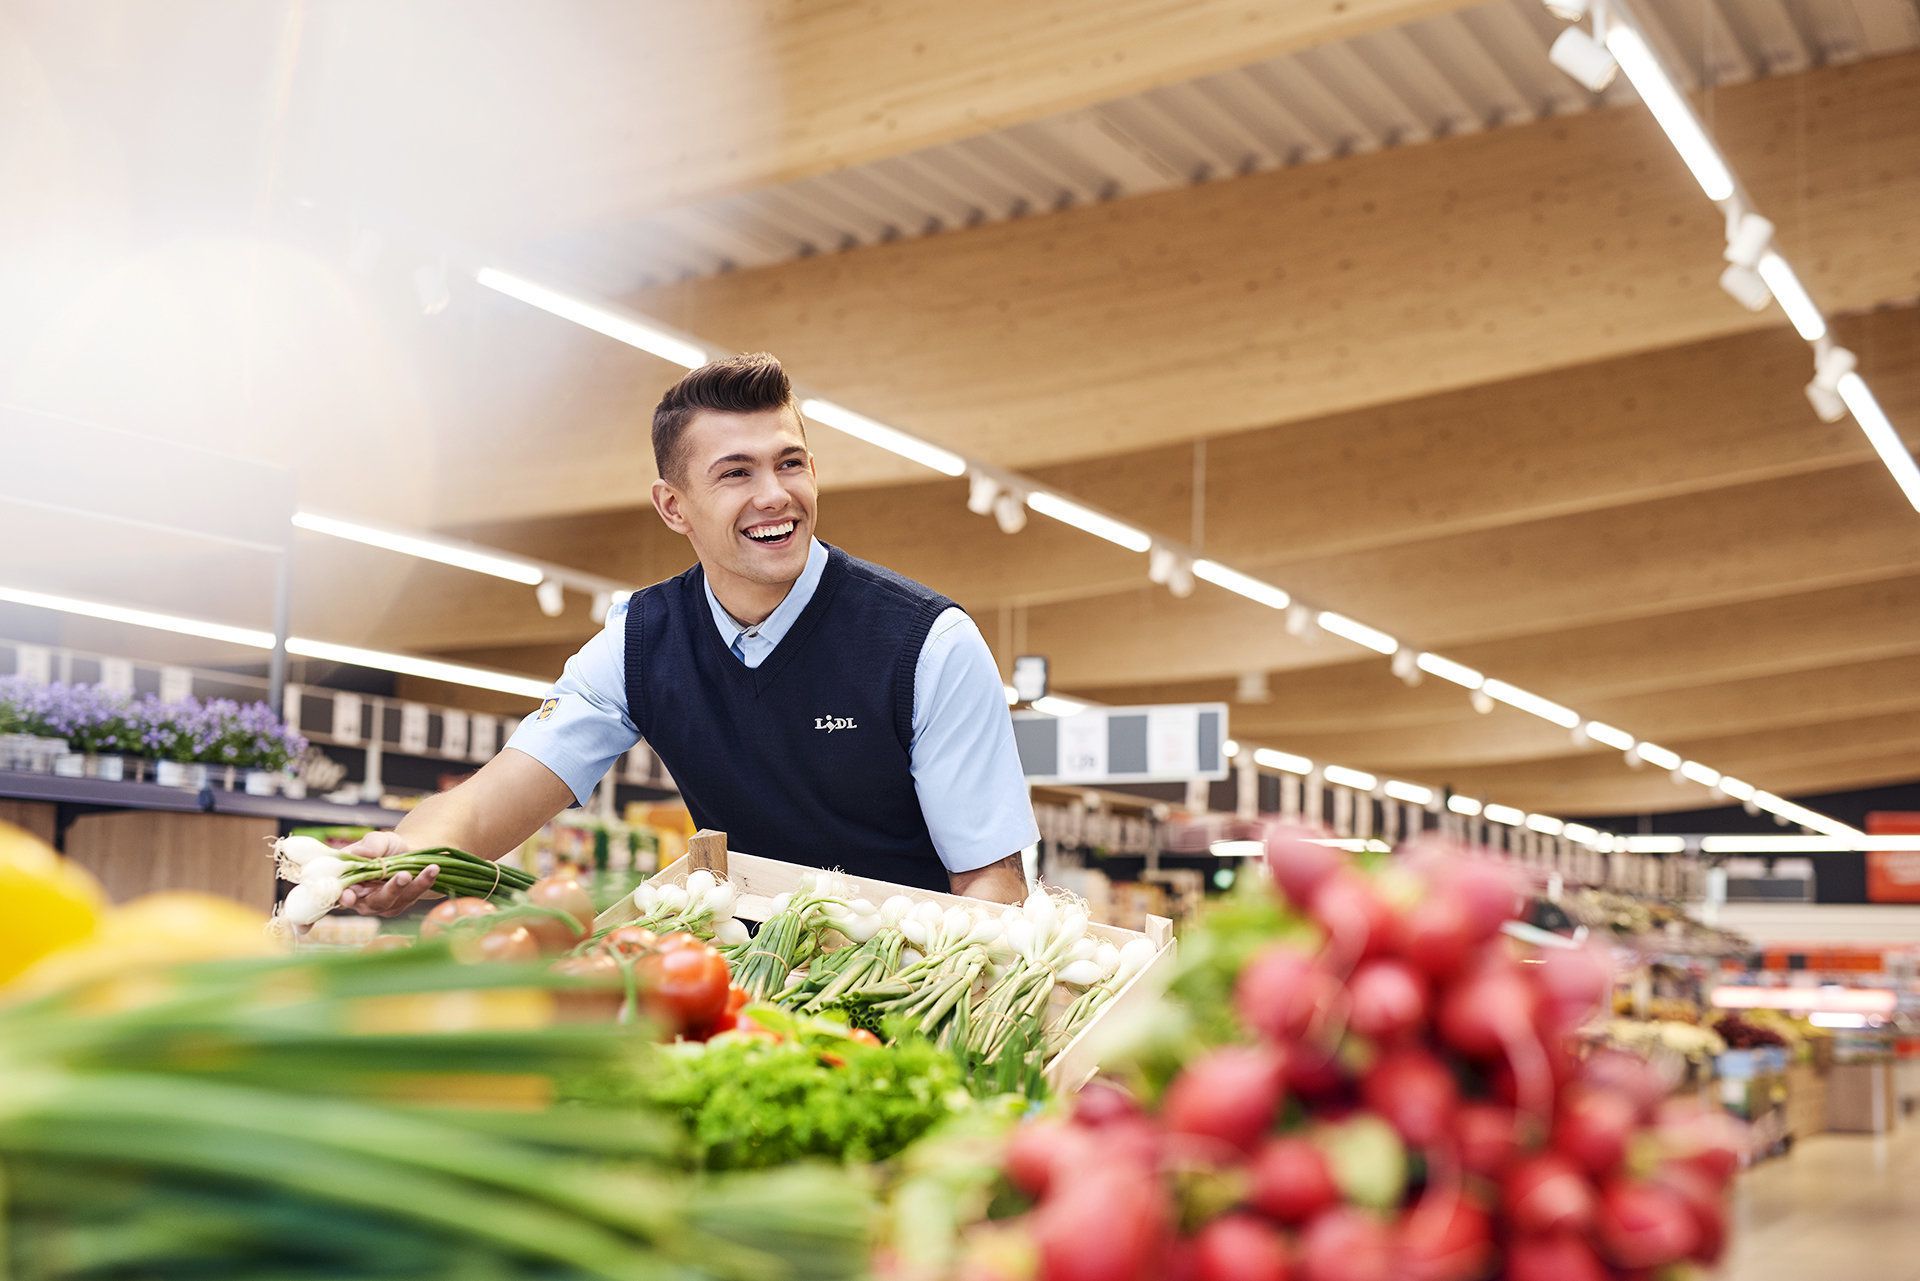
(1457, 73)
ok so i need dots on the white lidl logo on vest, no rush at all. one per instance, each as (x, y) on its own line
(832, 723)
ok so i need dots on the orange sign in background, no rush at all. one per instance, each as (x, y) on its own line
(1893, 876)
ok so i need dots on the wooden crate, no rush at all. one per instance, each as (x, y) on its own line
(759, 881)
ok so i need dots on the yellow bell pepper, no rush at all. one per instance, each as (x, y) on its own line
(46, 903)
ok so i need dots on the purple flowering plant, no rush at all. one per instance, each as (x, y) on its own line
(95, 721)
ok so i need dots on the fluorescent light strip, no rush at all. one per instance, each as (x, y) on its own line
(1464, 805)
(1357, 632)
(1608, 735)
(1820, 1018)
(1776, 844)
(891, 439)
(1670, 110)
(1545, 709)
(1448, 670)
(1068, 512)
(1654, 844)
(1738, 789)
(1880, 433)
(1654, 754)
(1344, 777)
(1238, 849)
(429, 668)
(1701, 774)
(1831, 999)
(1803, 816)
(1352, 845)
(254, 638)
(1411, 793)
(1580, 832)
(1055, 705)
(1284, 761)
(1503, 814)
(1545, 824)
(1792, 296)
(628, 329)
(393, 540)
(1241, 584)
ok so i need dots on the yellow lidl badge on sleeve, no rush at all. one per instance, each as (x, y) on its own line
(546, 708)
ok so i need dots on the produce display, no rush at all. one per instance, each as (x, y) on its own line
(1360, 1079)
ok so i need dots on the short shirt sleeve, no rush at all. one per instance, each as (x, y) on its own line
(966, 769)
(582, 727)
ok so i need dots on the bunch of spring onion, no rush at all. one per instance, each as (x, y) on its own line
(320, 874)
(703, 906)
(952, 951)
(789, 936)
(865, 970)
(1048, 940)
(1099, 980)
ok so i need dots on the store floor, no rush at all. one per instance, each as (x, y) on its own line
(1838, 1206)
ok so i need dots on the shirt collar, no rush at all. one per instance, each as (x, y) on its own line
(781, 620)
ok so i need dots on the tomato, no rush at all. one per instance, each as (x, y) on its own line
(561, 894)
(509, 945)
(451, 912)
(678, 939)
(737, 997)
(601, 1000)
(860, 1036)
(686, 986)
(630, 941)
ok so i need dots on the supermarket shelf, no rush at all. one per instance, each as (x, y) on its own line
(75, 796)
(302, 811)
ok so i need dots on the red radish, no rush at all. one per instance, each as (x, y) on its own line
(1291, 1181)
(1346, 1244)
(1446, 1237)
(1488, 1136)
(1555, 1258)
(1706, 1139)
(1358, 921)
(1593, 1128)
(1704, 1205)
(1574, 982)
(1298, 863)
(1231, 1095)
(1482, 1011)
(1134, 1139)
(1642, 1226)
(1316, 1074)
(1284, 994)
(1239, 1247)
(1101, 1102)
(1547, 1193)
(1389, 999)
(1437, 935)
(1627, 1074)
(1413, 1091)
(1106, 1223)
(1038, 1149)
(1489, 891)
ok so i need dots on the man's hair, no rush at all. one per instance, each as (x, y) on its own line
(746, 384)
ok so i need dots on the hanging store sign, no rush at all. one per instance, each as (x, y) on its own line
(1160, 744)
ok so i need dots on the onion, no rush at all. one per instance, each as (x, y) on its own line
(1413, 1091)
(323, 868)
(307, 902)
(646, 897)
(700, 883)
(452, 910)
(1081, 973)
(731, 933)
(302, 850)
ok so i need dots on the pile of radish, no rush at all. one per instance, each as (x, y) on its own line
(1403, 1104)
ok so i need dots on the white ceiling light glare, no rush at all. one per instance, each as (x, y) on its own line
(1781, 808)
(551, 597)
(1448, 670)
(1830, 365)
(1655, 844)
(1212, 571)
(1231, 747)
(1171, 570)
(1584, 58)
(1087, 520)
(1358, 632)
(1880, 433)
(1749, 239)
(1580, 833)
(1610, 736)
(1506, 814)
(1568, 10)
(1738, 789)
(1654, 754)
(1792, 296)
(987, 496)
(1466, 805)
(1340, 775)
(1286, 762)
(1406, 666)
(1534, 705)
(1057, 705)
(1704, 775)
(1482, 702)
(251, 637)
(446, 553)
(628, 329)
(428, 668)
(1238, 849)
(1670, 110)
(1411, 793)
(1545, 824)
(891, 439)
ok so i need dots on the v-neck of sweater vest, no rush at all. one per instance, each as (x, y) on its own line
(759, 678)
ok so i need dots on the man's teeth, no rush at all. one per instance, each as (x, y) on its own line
(769, 533)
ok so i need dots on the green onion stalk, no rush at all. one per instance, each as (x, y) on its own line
(787, 939)
(320, 874)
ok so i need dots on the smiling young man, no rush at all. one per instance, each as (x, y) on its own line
(815, 707)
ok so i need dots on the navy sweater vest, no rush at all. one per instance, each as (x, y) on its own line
(806, 757)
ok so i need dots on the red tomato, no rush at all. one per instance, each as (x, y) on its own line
(677, 939)
(736, 997)
(452, 911)
(630, 941)
(861, 1036)
(686, 985)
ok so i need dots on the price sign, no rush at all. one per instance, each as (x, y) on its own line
(116, 675)
(484, 738)
(176, 683)
(349, 715)
(1083, 748)
(453, 733)
(34, 663)
(413, 727)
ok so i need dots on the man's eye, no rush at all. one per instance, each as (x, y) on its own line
(729, 475)
(791, 463)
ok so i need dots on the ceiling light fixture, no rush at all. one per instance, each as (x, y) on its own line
(1584, 58)
(1240, 584)
(460, 556)
(1545, 824)
(1357, 632)
(1670, 110)
(1057, 705)
(1601, 732)
(1411, 793)
(1448, 670)
(629, 329)
(1464, 805)
(1340, 775)
(891, 439)
(1068, 512)
(1654, 754)
(1792, 296)
(1701, 774)
(1286, 762)
(1531, 703)
(1503, 814)
(1880, 433)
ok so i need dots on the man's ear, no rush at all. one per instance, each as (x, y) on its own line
(666, 501)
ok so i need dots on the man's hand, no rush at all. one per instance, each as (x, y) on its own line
(394, 895)
(1001, 882)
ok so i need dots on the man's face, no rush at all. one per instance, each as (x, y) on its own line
(746, 495)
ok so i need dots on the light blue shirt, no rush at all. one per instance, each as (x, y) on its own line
(966, 770)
